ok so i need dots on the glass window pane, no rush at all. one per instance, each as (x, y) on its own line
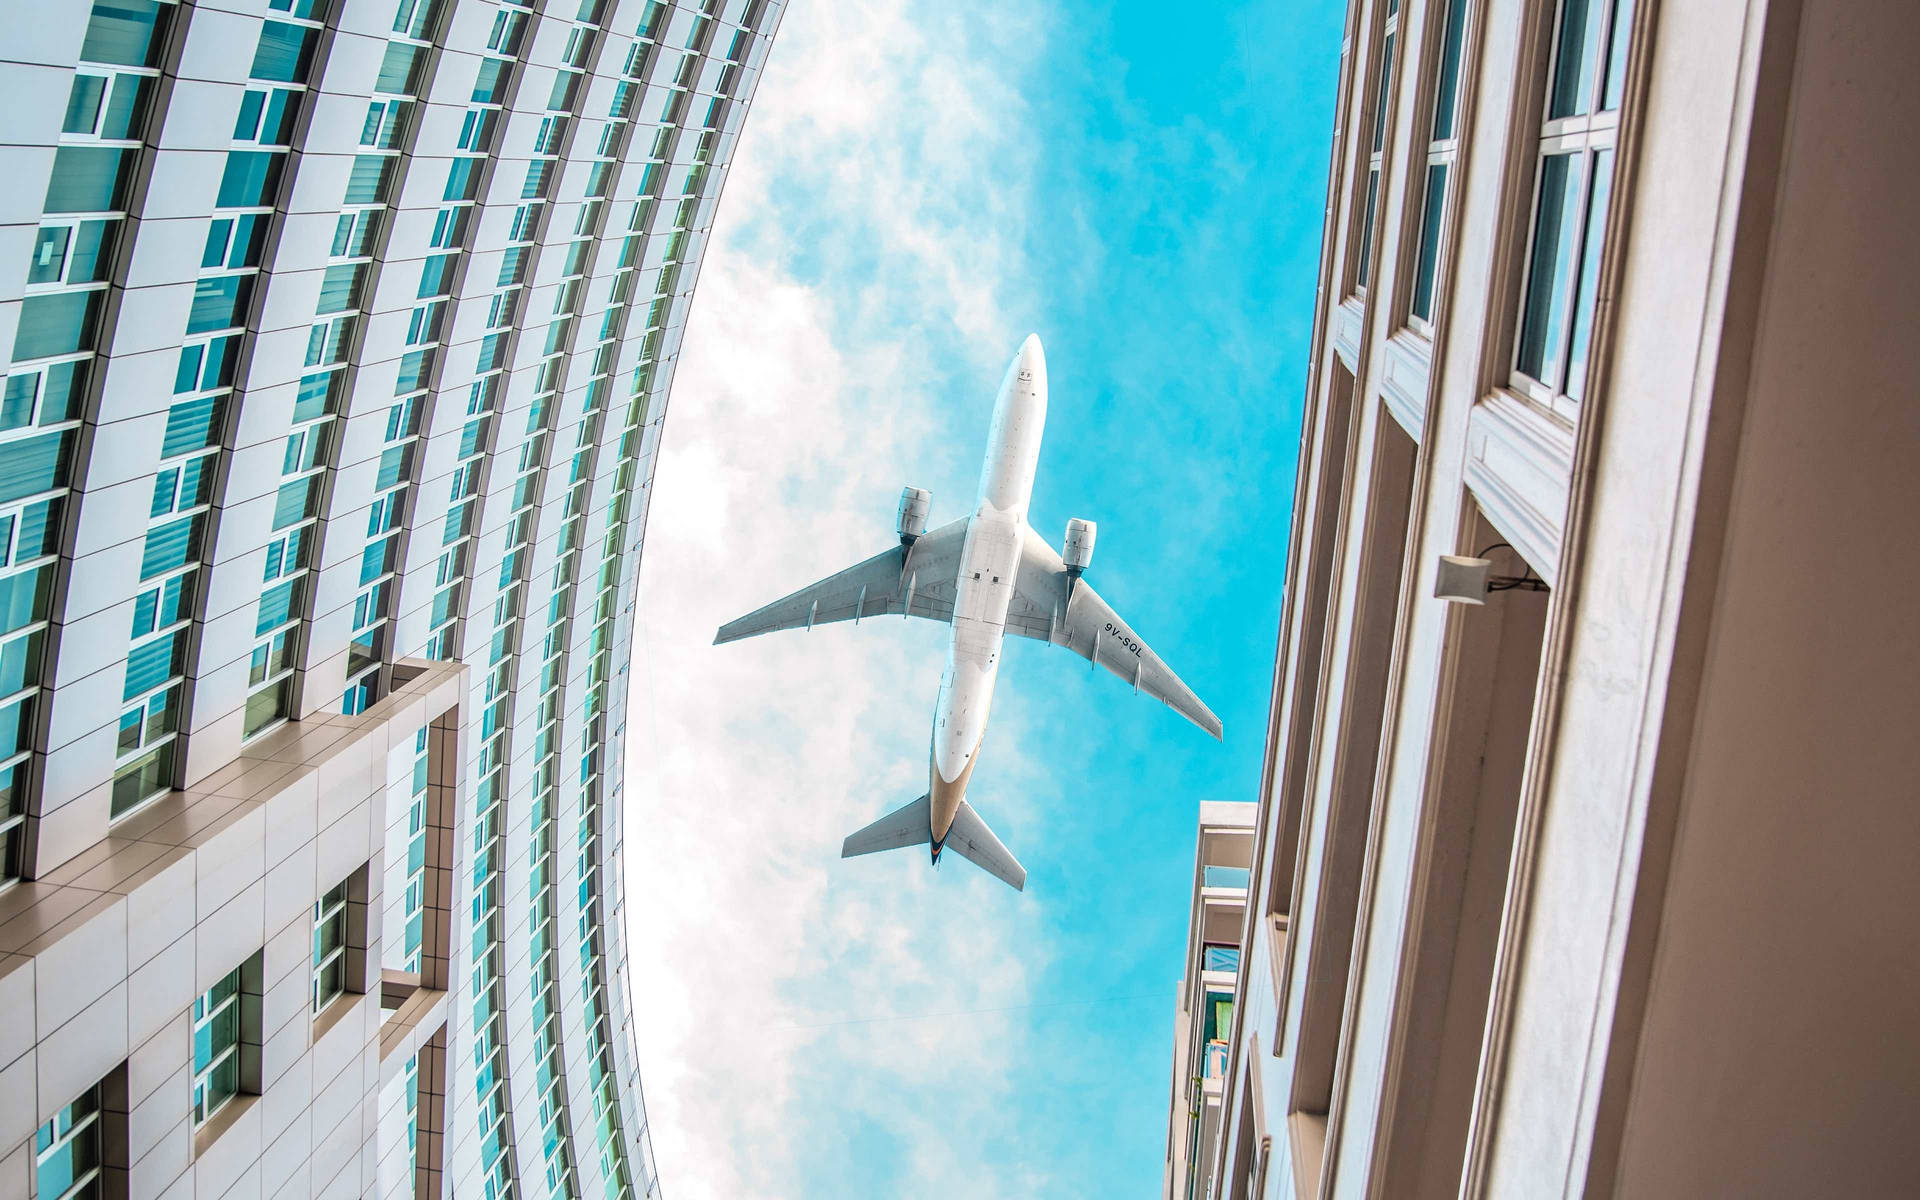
(276, 125)
(127, 109)
(23, 598)
(1427, 266)
(491, 83)
(249, 238)
(278, 604)
(35, 464)
(20, 663)
(170, 546)
(128, 32)
(265, 707)
(219, 303)
(367, 184)
(1366, 230)
(147, 776)
(251, 179)
(83, 104)
(400, 69)
(66, 387)
(339, 289)
(88, 179)
(284, 52)
(58, 324)
(190, 426)
(1594, 243)
(1446, 96)
(1383, 94)
(1549, 269)
(49, 255)
(1574, 59)
(247, 124)
(151, 664)
(1617, 55)
(93, 251)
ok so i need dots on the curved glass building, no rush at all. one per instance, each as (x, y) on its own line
(337, 335)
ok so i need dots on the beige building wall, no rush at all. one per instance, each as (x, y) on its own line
(1606, 889)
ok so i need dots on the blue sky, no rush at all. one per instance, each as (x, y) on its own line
(915, 192)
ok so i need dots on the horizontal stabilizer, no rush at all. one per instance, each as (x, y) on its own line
(911, 825)
(970, 838)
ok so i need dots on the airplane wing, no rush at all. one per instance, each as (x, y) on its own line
(1050, 606)
(919, 581)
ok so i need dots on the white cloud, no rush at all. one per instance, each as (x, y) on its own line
(883, 161)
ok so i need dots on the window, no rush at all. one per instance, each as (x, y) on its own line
(1586, 79)
(222, 1020)
(112, 107)
(33, 465)
(234, 242)
(1219, 957)
(1442, 145)
(266, 116)
(400, 70)
(330, 946)
(284, 53)
(353, 236)
(386, 124)
(414, 19)
(340, 289)
(73, 254)
(128, 32)
(61, 323)
(220, 302)
(67, 1151)
(367, 183)
(251, 179)
(491, 84)
(88, 179)
(1382, 102)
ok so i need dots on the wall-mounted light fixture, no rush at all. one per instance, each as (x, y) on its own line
(1464, 580)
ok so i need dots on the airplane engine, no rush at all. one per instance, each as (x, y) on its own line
(1077, 550)
(914, 504)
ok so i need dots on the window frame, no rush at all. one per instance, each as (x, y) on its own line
(1436, 151)
(1369, 193)
(330, 912)
(91, 1125)
(1588, 138)
(204, 1016)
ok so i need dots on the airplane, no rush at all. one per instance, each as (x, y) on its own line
(987, 574)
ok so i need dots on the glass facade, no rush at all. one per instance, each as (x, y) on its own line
(345, 333)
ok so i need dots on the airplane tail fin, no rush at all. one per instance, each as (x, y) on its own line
(908, 825)
(970, 838)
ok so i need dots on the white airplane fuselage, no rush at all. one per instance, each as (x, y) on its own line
(989, 563)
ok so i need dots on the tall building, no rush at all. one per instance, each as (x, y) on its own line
(1598, 881)
(1203, 1010)
(338, 335)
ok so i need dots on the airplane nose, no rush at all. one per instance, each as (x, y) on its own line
(1030, 364)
